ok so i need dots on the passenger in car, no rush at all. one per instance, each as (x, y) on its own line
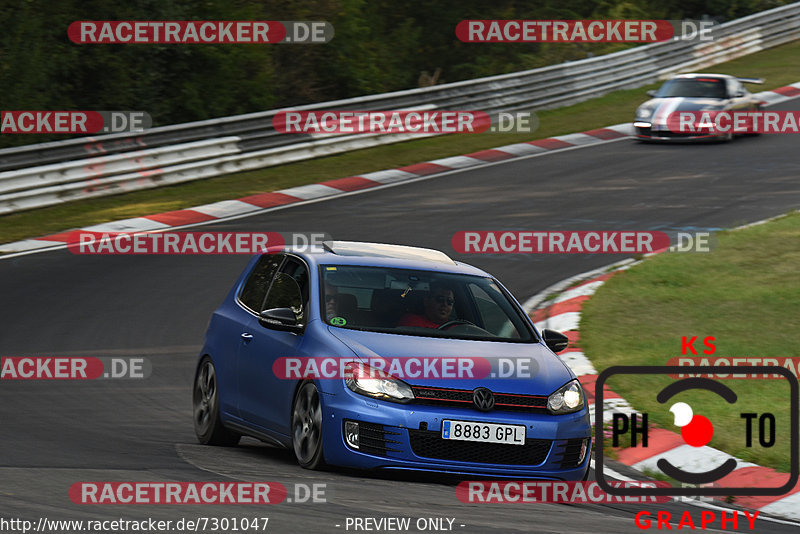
(331, 297)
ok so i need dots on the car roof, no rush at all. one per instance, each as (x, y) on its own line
(383, 255)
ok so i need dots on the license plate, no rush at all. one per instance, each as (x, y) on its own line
(483, 432)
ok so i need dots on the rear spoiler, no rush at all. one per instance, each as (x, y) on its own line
(751, 80)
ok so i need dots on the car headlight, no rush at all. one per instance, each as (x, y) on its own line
(568, 399)
(372, 382)
(644, 112)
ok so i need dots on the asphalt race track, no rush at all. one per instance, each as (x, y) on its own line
(55, 433)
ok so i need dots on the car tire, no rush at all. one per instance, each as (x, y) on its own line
(205, 401)
(586, 474)
(307, 427)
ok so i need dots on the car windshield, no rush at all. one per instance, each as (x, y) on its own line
(696, 87)
(421, 303)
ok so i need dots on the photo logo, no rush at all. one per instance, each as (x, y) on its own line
(697, 430)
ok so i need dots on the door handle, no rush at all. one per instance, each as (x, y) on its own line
(247, 337)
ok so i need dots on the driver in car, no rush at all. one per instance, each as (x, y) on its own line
(438, 306)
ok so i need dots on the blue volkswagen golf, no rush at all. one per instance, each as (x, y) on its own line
(380, 356)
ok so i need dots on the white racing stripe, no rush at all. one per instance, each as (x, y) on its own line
(663, 110)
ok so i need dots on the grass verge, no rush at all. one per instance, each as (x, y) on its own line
(779, 66)
(746, 294)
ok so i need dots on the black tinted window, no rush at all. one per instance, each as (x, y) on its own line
(255, 289)
(285, 293)
(282, 297)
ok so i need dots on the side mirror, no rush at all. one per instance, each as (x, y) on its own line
(651, 92)
(280, 319)
(555, 341)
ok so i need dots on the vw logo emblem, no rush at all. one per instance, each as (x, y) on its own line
(483, 399)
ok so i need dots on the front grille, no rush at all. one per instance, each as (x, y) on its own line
(648, 132)
(572, 451)
(512, 402)
(375, 439)
(428, 444)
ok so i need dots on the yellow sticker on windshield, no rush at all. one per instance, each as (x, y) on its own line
(330, 268)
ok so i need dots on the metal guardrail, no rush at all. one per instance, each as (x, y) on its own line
(49, 173)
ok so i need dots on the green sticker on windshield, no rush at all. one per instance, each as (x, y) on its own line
(338, 321)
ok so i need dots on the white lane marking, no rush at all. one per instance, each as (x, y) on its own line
(561, 322)
(623, 128)
(225, 208)
(787, 506)
(580, 139)
(137, 224)
(457, 162)
(521, 149)
(29, 244)
(581, 291)
(389, 176)
(610, 473)
(307, 192)
(578, 362)
(692, 459)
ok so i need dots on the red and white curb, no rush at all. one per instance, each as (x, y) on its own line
(260, 203)
(563, 313)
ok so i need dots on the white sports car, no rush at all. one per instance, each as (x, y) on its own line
(693, 92)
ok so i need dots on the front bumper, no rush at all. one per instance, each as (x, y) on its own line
(646, 132)
(409, 437)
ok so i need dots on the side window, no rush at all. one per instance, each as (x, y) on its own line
(298, 271)
(495, 319)
(257, 284)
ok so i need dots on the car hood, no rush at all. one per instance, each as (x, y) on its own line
(540, 372)
(662, 107)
